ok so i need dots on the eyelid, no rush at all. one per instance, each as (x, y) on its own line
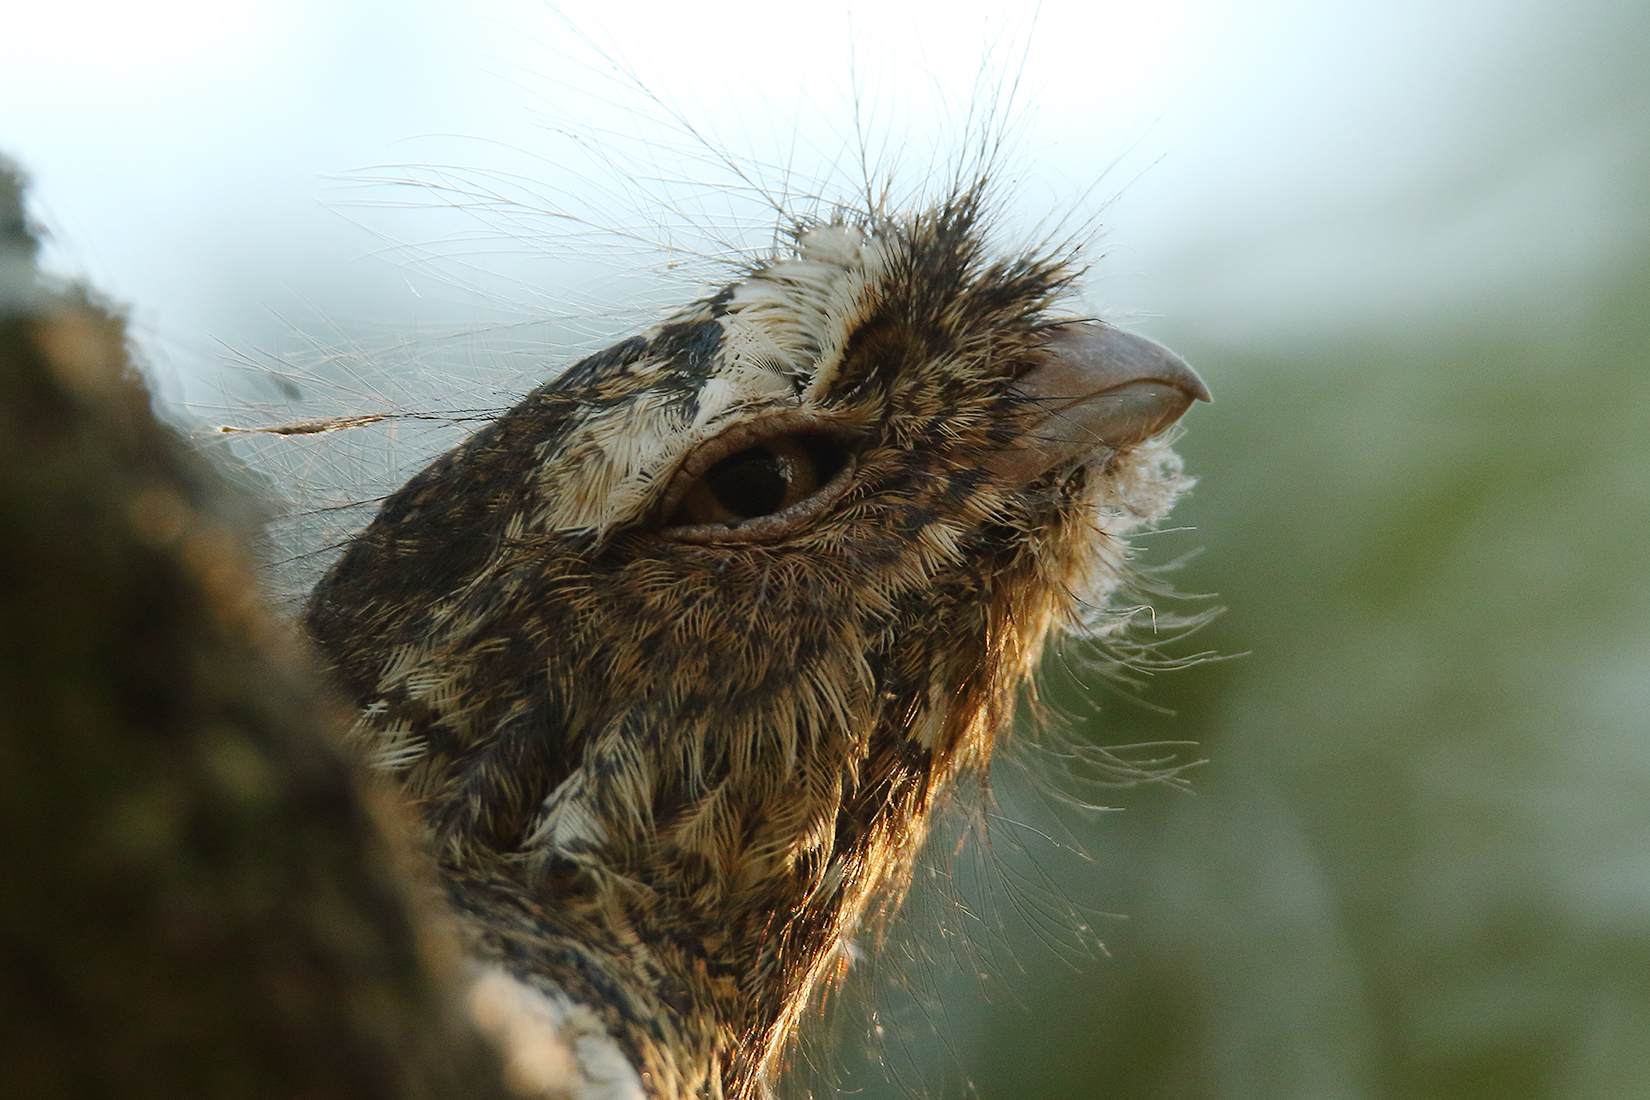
(741, 437)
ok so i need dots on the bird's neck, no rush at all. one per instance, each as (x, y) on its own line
(703, 970)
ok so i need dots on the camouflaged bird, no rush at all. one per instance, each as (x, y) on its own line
(678, 656)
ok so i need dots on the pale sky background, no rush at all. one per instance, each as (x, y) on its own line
(1276, 164)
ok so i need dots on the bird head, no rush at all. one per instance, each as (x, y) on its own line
(678, 656)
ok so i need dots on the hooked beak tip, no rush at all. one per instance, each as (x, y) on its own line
(1104, 389)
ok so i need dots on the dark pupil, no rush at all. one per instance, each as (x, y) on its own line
(750, 483)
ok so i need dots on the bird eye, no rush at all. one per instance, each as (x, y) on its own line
(748, 485)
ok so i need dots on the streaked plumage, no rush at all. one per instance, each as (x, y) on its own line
(669, 763)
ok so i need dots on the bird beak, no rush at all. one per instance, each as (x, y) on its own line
(1095, 390)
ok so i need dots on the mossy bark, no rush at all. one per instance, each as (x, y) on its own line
(196, 898)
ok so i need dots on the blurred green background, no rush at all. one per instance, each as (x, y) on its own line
(1416, 864)
(1417, 861)
(1407, 244)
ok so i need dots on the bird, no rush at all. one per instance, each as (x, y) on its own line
(676, 661)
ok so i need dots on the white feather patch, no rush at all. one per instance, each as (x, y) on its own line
(554, 1048)
(783, 333)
